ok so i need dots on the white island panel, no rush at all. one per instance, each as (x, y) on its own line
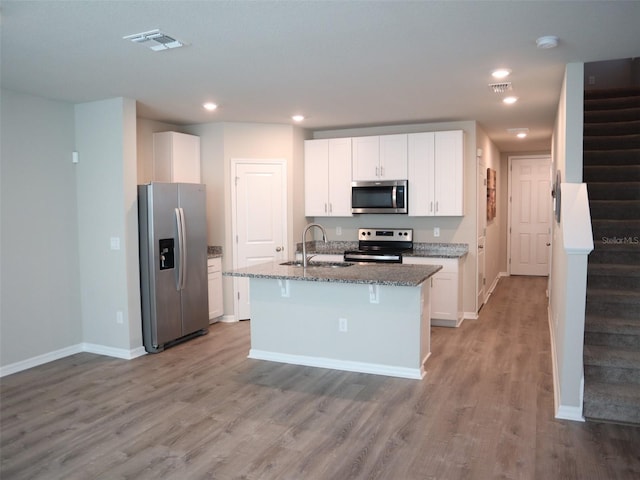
(299, 322)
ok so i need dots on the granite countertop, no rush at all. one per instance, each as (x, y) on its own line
(214, 251)
(433, 250)
(372, 274)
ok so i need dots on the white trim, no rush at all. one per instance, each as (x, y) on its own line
(562, 412)
(113, 352)
(40, 360)
(470, 315)
(345, 365)
(68, 351)
(228, 319)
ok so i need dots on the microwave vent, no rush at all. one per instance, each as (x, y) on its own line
(501, 87)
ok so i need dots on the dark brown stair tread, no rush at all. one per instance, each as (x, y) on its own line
(614, 295)
(611, 357)
(613, 392)
(613, 325)
(614, 269)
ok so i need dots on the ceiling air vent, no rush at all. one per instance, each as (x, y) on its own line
(501, 87)
(155, 40)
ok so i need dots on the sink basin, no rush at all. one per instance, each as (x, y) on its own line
(298, 263)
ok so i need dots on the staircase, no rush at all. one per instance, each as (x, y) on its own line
(612, 323)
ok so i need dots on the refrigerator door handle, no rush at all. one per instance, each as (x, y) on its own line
(183, 249)
(181, 257)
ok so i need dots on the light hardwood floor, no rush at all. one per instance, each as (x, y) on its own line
(202, 410)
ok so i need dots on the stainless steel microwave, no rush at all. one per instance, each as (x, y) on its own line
(384, 196)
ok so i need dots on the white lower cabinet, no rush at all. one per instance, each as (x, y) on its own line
(446, 290)
(214, 268)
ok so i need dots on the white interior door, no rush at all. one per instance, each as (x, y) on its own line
(482, 229)
(530, 217)
(259, 223)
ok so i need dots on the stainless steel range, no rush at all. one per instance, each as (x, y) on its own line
(382, 245)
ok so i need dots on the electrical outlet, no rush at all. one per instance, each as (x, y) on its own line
(436, 231)
(119, 317)
(338, 231)
(115, 243)
(342, 325)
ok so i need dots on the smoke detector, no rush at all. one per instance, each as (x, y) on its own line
(546, 42)
(155, 40)
(501, 87)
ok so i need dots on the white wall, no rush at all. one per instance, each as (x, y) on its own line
(40, 299)
(107, 208)
(452, 229)
(567, 317)
(494, 255)
(222, 142)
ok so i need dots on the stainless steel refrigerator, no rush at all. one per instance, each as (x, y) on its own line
(173, 263)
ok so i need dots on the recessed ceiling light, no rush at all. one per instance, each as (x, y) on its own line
(297, 118)
(548, 41)
(510, 100)
(519, 132)
(501, 73)
(209, 106)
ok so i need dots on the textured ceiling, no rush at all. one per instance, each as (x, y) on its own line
(340, 63)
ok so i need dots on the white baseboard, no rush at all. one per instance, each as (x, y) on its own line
(40, 360)
(345, 365)
(71, 350)
(562, 412)
(228, 319)
(470, 316)
(113, 352)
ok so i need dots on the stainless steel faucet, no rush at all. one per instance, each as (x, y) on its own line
(305, 260)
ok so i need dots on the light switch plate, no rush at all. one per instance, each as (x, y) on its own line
(115, 243)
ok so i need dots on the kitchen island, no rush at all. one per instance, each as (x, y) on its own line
(362, 318)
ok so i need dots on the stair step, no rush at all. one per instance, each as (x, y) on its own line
(617, 191)
(611, 402)
(609, 229)
(611, 173)
(607, 115)
(612, 325)
(607, 276)
(604, 356)
(614, 209)
(611, 157)
(612, 128)
(592, 93)
(614, 340)
(612, 142)
(615, 251)
(616, 303)
(611, 103)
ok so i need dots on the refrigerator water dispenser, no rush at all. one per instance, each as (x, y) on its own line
(166, 253)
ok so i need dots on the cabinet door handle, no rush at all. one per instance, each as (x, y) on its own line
(436, 207)
(325, 208)
(382, 171)
(330, 208)
(431, 207)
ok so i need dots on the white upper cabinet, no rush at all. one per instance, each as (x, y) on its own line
(327, 177)
(176, 157)
(436, 180)
(380, 157)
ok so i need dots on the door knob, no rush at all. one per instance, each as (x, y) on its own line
(548, 244)
(278, 249)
